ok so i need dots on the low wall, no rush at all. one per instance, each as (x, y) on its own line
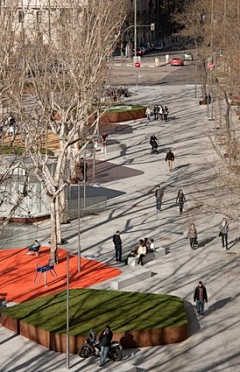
(25, 220)
(117, 117)
(130, 339)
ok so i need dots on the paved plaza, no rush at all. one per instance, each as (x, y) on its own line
(214, 342)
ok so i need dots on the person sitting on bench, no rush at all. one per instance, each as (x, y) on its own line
(141, 252)
(34, 248)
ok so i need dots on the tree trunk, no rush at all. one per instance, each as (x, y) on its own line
(58, 220)
(63, 206)
(53, 230)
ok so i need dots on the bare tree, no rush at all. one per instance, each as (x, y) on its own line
(63, 68)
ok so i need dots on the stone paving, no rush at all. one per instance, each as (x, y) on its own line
(214, 342)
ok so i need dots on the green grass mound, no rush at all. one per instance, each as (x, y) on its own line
(89, 308)
(125, 108)
(8, 150)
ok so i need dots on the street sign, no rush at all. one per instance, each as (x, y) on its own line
(136, 61)
(211, 65)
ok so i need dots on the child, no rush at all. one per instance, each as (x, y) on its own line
(152, 245)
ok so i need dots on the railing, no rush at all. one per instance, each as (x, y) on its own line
(91, 205)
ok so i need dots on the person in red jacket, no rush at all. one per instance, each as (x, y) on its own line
(200, 296)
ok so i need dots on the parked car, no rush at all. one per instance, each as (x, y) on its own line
(141, 51)
(159, 46)
(187, 56)
(176, 61)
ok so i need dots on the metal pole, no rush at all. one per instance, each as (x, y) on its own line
(84, 182)
(67, 317)
(94, 161)
(135, 28)
(212, 26)
(195, 90)
(79, 242)
(212, 95)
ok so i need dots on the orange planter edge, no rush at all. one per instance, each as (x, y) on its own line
(130, 339)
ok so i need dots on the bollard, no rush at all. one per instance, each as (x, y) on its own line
(156, 62)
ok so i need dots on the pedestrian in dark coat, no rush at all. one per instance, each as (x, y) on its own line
(200, 296)
(165, 113)
(224, 232)
(105, 339)
(181, 200)
(154, 144)
(118, 246)
(155, 111)
(84, 169)
(159, 192)
(170, 159)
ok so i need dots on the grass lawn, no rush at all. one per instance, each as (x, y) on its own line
(133, 107)
(16, 150)
(90, 308)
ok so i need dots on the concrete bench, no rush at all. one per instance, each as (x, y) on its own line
(160, 252)
(129, 279)
(126, 367)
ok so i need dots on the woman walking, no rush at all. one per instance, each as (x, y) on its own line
(192, 235)
(224, 232)
(181, 200)
(154, 144)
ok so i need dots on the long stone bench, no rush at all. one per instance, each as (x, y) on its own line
(129, 279)
(133, 261)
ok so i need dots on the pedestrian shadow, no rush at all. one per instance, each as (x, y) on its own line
(193, 323)
(218, 305)
(181, 166)
(232, 243)
(205, 242)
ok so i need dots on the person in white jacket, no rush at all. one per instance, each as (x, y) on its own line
(148, 113)
(141, 252)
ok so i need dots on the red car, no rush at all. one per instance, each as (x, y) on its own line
(177, 62)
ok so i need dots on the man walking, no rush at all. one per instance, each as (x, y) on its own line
(159, 192)
(105, 339)
(118, 246)
(200, 296)
(170, 159)
(224, 232)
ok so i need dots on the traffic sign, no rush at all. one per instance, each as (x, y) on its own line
(137, 64)
(211, 65)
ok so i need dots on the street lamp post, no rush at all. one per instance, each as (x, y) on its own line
(135, 28)
(69, 254)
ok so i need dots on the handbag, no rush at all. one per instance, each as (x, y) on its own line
(220, 234)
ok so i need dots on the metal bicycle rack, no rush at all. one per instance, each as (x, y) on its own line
(43, 270)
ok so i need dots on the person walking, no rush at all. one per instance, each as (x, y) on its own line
(155, 111)
(105, 339)
(154, 144)
(165, 113)
(170, 159)
(160, 112)
(224, 232)
(192, 235)
(84, 169)
(117, 241)
(200, 296)
(148, 113)
(181, 200)
(159, 192)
